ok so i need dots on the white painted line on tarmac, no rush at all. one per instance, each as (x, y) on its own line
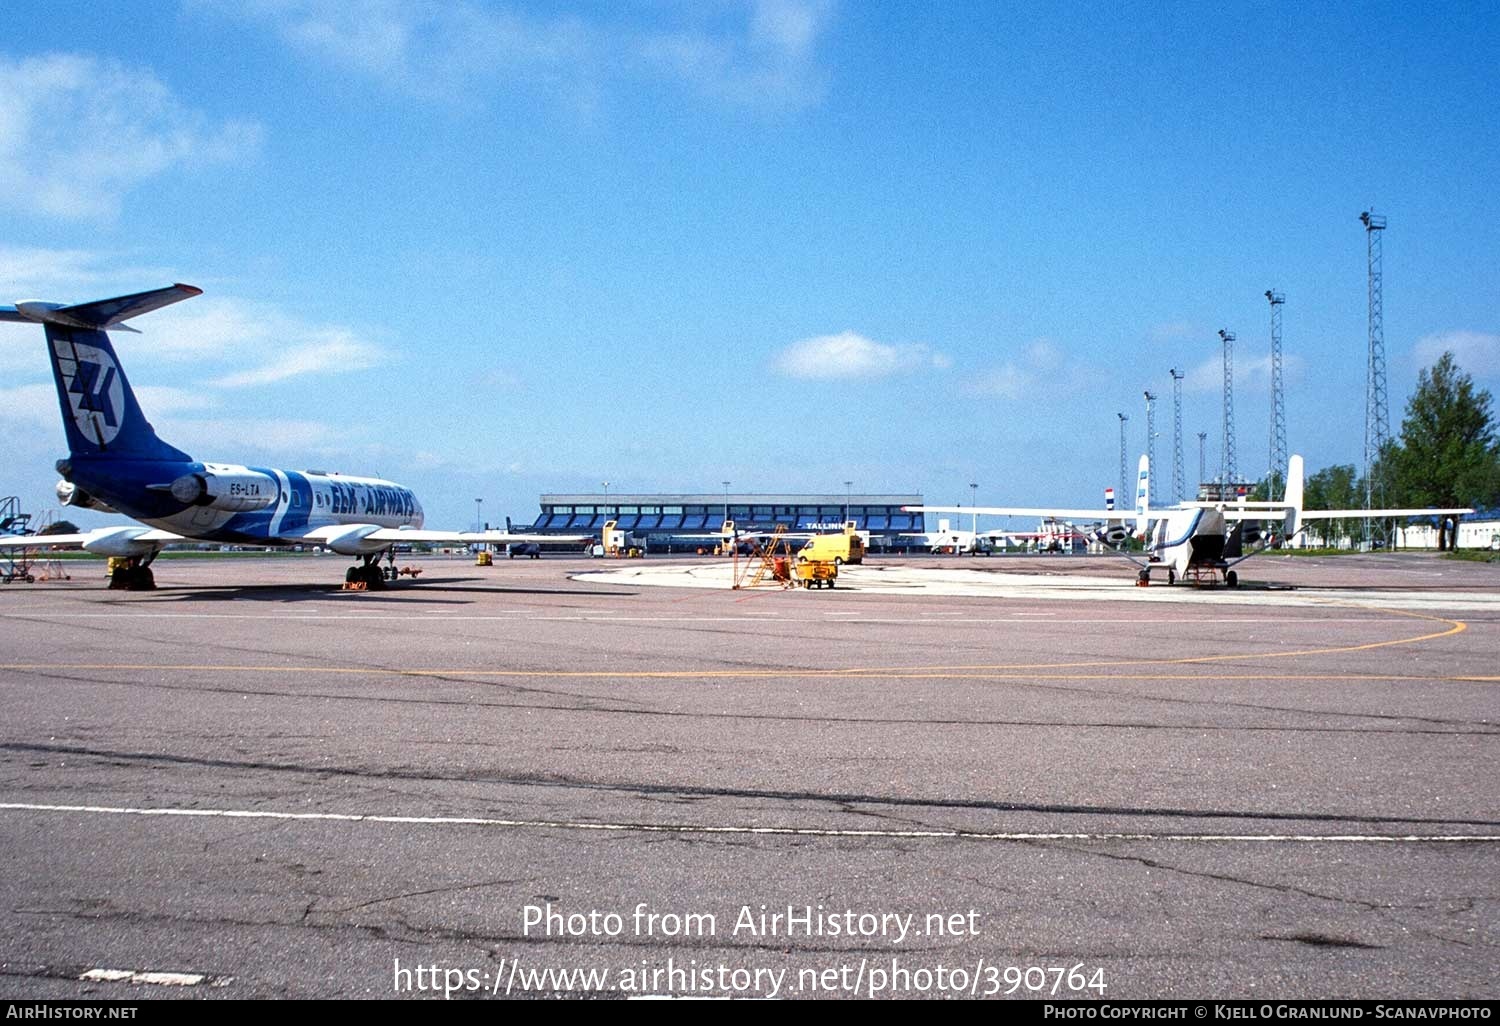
(688, 828)
(157, 978)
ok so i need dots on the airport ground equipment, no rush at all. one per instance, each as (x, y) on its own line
(845, 546)
(768, 565)
(817, 573)
(618, 544)
(16, 565)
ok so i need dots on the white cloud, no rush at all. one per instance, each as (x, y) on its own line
(213, 329)
(334, 351)
(1042, 365)
(758, 52)
(850, 355)
(1477, 352)
(209, 330)
(77, 133)
(1253, 374)
(232, 437)
(63, 275)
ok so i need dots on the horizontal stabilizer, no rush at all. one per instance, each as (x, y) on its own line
(102, 314)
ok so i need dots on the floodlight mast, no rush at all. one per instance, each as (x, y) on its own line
(1276, 476)
(1377, 410)
(1125, 488)
(1229, 469)
(1178, 483)
(1151, 429)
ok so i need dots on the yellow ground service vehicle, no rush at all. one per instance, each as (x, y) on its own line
(816, 573)
(845, 547)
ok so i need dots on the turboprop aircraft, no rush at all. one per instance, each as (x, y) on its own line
(116, 463)
(1188, 539)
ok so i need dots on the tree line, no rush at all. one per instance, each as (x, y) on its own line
(1447, 454)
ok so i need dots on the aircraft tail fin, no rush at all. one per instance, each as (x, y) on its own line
(101, 416)
(1143, 495)
(1293, 498)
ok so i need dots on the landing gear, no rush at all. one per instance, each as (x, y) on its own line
(1231, 579)
(369, 575)
(1171, 575)
(134, 574)
(1143, 579)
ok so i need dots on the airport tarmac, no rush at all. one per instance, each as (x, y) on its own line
(945, 777)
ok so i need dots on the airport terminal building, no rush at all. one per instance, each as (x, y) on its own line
(668, 522)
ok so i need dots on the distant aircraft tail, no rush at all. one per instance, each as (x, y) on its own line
(99, 410)
(1143, 495)
(1293, 497)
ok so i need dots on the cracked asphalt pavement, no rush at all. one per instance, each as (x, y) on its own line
(282, 789)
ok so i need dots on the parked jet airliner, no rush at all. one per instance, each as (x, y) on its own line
(117, 463)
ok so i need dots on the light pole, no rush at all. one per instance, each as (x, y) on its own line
(726, 500)
(974, 509)
(606, 498)
(478, 517)
(848, 486)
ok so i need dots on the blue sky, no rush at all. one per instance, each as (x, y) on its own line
(491, 250)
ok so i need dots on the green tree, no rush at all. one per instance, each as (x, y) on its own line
(60, 527)
(1335, 487)
(1447, 454)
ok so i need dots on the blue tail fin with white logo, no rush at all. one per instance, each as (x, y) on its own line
(100, 413)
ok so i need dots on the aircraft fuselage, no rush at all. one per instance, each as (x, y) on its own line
(234, 503)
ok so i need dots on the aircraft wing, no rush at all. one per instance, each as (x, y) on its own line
(371, 533)
(42, 541)
(1027, 511)
(1376, 514)
(48, 541)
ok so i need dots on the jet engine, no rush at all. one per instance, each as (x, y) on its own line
(69, 494)
(1114, 535)
(233, 493)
